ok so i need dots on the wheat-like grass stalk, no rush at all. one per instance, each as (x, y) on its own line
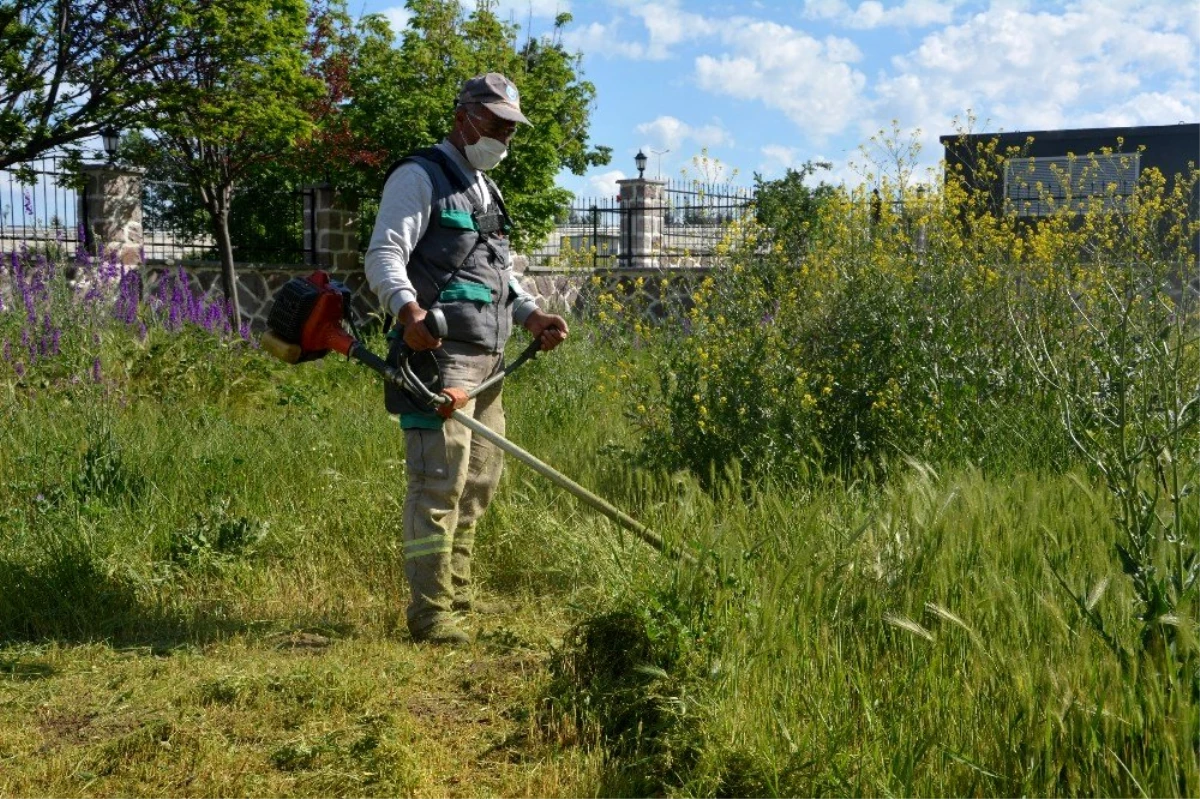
(908, 625)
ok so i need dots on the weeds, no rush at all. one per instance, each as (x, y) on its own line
(215, 537)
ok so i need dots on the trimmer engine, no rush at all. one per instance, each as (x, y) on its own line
(305, 322)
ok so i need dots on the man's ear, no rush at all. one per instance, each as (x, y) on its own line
(460, 123)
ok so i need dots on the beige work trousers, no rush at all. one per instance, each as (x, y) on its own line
(452, 477)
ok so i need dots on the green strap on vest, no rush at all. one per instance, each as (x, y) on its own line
(460, 290)
(457, 219)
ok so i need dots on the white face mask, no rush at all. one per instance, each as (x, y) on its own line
(485, 153)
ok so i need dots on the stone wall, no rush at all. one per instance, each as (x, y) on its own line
(657, 290)
(569, 293)
(257, 285)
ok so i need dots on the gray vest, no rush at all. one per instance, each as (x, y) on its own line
(458, 267)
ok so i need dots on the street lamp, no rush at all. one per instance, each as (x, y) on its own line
(640, 160)
(660, 154)
(111, 138)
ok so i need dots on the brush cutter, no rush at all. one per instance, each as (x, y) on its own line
(308, 319)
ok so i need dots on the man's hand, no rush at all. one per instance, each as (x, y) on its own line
(416, 335)
(548, 328)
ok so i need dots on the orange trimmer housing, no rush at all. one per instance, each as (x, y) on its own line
(323, 330)
(308, 313)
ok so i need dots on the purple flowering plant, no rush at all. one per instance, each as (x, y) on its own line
(57, 314)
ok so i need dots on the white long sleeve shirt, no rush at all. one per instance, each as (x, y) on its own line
(404, 212)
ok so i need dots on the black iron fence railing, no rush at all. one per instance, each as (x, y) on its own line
(264, 227)
(586, 236)
(698, 216)
(39, 208)
(690, 221)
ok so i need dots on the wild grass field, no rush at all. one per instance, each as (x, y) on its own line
(945, 538)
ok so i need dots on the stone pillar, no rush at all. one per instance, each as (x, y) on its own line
(111, 211)
(331, 229)
(643, 208)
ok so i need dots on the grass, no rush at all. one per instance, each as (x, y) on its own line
(201, 593)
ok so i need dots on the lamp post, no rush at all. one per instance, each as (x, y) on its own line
(640, 160)
(660, 154)
(112, 139)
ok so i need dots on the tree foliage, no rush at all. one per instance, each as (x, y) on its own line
(235, 102)
(71, 68)
(383, 97)
(788, 208)
(402, 99)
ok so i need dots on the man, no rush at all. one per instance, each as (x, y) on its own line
(439, 241)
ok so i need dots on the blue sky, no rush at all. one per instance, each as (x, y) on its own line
(767, 84)
(770, 84)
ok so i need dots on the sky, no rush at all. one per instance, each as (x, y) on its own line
(770, 84)
(763, 85)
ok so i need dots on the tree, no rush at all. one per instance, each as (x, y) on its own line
(235, 100)
(788, 208)
(334, 150)
(381, 101)
(71, 68)
(402, 99)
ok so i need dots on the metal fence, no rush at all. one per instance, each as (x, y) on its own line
(268, 228)
(693, 220)
(39, 207)
(698, 216)
(587, 236)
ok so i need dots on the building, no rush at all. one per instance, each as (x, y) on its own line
(1107, 163)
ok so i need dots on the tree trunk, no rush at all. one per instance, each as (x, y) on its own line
(228, 274)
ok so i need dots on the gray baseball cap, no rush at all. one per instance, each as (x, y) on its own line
(497, 93)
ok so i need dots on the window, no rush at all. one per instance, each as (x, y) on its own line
(1042, 186)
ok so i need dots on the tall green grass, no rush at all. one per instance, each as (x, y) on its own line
(909, 640)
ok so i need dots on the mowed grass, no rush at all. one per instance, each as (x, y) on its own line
(201, 593)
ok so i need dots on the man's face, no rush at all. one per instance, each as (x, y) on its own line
(481, 122)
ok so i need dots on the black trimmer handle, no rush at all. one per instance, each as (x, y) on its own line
(435, 323)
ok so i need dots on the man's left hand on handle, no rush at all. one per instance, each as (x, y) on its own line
(550, 329)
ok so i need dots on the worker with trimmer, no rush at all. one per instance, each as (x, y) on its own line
(440, 243)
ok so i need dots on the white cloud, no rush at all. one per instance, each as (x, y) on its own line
(788, 70)
(1032, 70)
(603, 40)
(1092, 63)
(1146, 108)
(777, 159)
(842, 50)
(397, 17)
(667, 132)
(873, 14)
(604, 184)
(664, 25)
(668, 25)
